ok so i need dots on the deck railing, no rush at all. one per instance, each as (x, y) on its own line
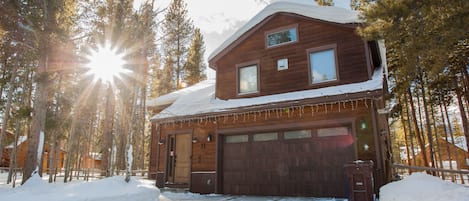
(82, 174)
(456, 176)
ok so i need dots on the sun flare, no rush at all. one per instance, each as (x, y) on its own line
(105, 64)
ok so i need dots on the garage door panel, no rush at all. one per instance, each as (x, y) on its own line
(311, 166)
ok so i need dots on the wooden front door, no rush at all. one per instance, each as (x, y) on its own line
(178, 171)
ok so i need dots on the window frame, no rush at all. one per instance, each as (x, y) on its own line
(336, 62)
(238, 77)
(278, 30)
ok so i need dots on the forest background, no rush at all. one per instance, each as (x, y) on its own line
(45, 84)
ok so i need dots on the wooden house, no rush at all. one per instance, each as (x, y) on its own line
(447, 152)
(92, 160)
(22, 149)
(298, 94)
(8, 138)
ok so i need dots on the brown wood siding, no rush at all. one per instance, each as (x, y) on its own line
(312, 33)
(204, 154)
(21, 156)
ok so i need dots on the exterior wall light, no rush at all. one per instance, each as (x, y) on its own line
(209, 137)
(195, 140)
(366, 147)
(161, 142)
(363, 125)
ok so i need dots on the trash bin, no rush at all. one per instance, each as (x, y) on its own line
(360, 180)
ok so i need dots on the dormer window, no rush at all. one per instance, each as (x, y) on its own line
(248, 79)
(282, 36)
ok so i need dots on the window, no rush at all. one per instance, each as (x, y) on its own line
(284, 36)
(247, 82)
(261, 137)
(282, 64)
(336, 131)
(236, 138)
(323, 64)
(299, 134)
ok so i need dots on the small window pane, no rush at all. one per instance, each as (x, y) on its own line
(285, 36)
(248, 79)
(297, 134)
(236, 138)
(265, 137)
(323, 66)
(329, 132)
(282, 64)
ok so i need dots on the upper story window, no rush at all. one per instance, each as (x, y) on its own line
(282, 36)
(323, 64)
(248, 79)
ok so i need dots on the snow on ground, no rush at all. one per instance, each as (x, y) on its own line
(416, 187)
(108, 189)
(173, 196)
(420, 186)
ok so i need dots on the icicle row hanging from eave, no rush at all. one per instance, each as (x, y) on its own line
(278, 111)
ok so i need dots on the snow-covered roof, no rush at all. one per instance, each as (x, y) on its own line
(21, 139)
(304, 8)
(173, 96)
(96, 155)
(200, 99)
(460, 141)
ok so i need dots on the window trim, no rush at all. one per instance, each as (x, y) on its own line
(238, 68)
(347, 126)
(320, 49)
(280, 29)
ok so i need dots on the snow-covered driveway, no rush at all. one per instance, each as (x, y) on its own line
(172, 196)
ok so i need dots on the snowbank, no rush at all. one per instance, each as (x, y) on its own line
(109, 189)
(420, 186)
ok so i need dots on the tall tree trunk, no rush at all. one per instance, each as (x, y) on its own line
(14, 153)
(39, 120)
(52, 157)
(427, 120)
(445, 127)
(412, 147)
(52, 151)
(128, 154)
(107, 133)
(417, 129)
(438, 160)
(6, 114)
(406, 138)
(465, 83)
(71, 150)
(178, 64)
(464, 119)
(452, 139)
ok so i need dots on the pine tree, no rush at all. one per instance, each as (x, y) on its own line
(359, 4)
(49, 21)
(195, 66)
(165, 77)
(177, 29)
(421, 38)
(325, 2)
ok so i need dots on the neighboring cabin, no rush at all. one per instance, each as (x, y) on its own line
(447, 152)
(296, 97)
(22, 148)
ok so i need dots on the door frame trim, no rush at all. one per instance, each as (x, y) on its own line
(178, 132)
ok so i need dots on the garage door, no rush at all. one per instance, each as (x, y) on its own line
(307, 162)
